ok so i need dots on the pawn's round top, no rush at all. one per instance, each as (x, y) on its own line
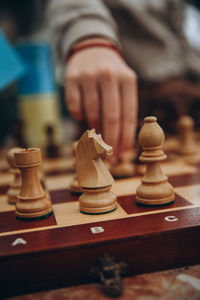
(11, 156)
(185, 122)
(151, 134)
(150, 119)
(28, 156)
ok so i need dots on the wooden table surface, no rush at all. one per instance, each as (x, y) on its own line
(176, 284)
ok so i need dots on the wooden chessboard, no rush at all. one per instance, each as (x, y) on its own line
(60, 249)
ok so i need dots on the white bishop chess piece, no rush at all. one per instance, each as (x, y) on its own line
(155, 188)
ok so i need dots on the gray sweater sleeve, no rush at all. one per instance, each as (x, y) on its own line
(73, 20)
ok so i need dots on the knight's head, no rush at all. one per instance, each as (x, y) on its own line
(98, 146)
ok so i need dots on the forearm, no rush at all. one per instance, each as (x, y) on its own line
(71, 22)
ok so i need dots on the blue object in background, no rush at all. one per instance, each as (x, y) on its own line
(39, 78)
(11, 66)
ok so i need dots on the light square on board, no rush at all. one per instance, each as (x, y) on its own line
(4, 167)
(68, 214)
(58, 182)
(58, 165)
(4, 205)
(126, 186)
(177, 168)
(191, 193)
(6, 179)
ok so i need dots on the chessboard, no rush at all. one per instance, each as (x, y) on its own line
(59, 250)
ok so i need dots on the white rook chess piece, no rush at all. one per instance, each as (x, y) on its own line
(33, 202)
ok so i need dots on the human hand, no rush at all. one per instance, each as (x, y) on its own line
(102, 89)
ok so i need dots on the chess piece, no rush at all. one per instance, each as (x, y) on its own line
(186, 130)
(93, 177)
(33, 201)
(52, 149)
(155, 188)
(74, 186)
(15, 185)
(139, 166)
(108, 272)
(18, 134)
(123, 169)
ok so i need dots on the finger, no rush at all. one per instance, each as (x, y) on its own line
(91, 102)
(129, 98)
(110, 111)
(73, 98)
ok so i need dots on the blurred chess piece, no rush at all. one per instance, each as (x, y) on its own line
(52, 149)
(187, 144)
(155, 188)
(109, 273)
(18, 134)
(74, 186)
(123, 168)
(15, 185)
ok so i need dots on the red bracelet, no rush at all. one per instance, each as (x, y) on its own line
(93, 44)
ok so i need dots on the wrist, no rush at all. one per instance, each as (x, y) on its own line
(94, 42)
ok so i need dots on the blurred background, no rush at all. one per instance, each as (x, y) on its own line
(32, 104)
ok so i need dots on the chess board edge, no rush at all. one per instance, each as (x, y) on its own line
(58, 257)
